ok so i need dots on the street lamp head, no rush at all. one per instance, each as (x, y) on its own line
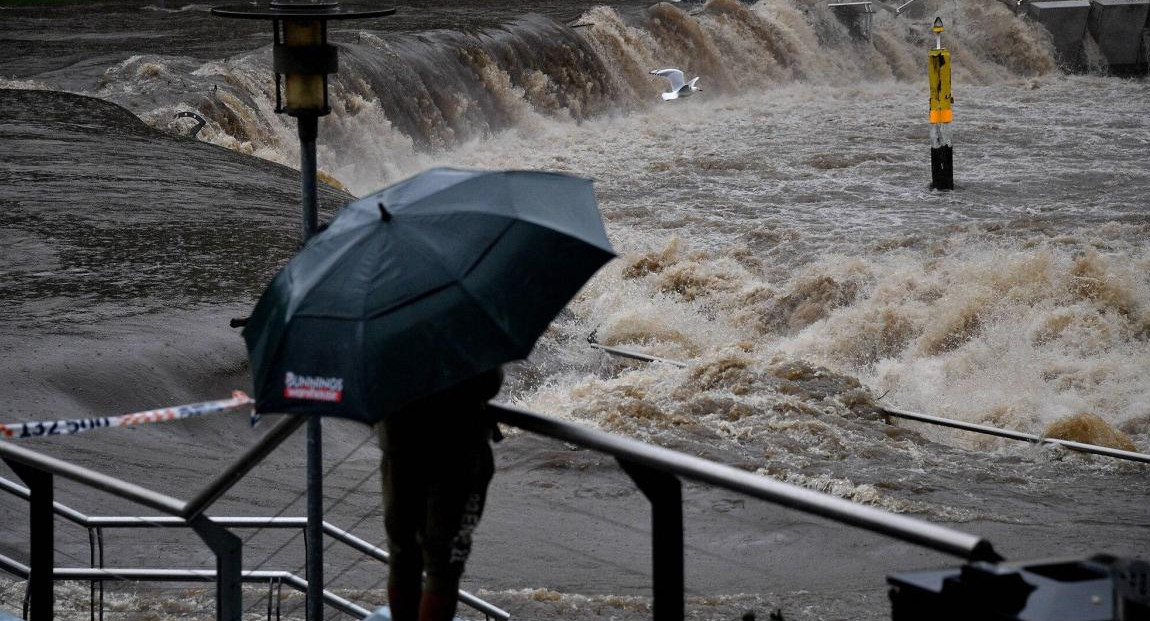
(302, 57)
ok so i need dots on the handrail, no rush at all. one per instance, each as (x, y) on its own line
(636, 355)
(91, 478)
(911, 530)
(60, 509)
(1081, 447)
(242, 466)
(329, 529)
(195, 575)
(1017, 435)
(14, 567)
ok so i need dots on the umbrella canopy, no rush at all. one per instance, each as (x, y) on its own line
(419, 286)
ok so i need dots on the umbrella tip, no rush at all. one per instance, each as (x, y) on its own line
(384, 214)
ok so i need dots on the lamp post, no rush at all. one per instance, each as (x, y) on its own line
(302, 60)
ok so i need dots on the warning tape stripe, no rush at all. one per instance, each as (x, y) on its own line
(78, 425)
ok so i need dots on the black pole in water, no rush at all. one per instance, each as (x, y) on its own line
(941, 158)
(665, 492)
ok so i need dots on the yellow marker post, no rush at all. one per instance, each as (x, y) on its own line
(941, 114)
(940, 95)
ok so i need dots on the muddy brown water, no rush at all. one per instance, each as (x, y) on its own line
(775, 233)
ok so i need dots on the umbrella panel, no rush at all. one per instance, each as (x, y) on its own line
(523, 292)
(362, 369)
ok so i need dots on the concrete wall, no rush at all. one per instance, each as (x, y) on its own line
(1066, 21)
(1117, 27)
(856, 16)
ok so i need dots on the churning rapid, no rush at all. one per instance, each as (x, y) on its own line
(400, 95)
(777, 233)
(779, 227)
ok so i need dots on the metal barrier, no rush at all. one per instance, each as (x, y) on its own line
(97, 524)
(37, 470)
(1081, 447)
(656, 472)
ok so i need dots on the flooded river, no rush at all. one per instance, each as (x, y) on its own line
(776, 233)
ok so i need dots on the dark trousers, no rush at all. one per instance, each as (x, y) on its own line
(435, 471)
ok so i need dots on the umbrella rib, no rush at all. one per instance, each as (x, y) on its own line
(340, 255)
(486, 251)
(419, 246)
(499, 327)
(422, 249)
(408, 301)
(470, 268)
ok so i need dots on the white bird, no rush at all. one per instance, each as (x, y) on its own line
(679, 88)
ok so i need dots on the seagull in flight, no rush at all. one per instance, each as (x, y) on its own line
(679, 88)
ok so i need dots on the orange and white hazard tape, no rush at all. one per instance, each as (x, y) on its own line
(78, 425)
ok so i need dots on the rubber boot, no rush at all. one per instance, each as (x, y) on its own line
(437, 606)
(402, 608)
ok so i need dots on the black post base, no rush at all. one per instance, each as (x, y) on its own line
(941, 168)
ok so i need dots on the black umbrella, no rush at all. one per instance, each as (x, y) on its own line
(419, 286)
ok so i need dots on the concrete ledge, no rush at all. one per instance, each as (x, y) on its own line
(856, 16)
(1117, 27)
(1066, 21)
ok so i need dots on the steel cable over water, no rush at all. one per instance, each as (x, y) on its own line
(1080, 447)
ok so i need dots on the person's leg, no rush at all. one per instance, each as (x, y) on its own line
(404, 502)
(455, 503)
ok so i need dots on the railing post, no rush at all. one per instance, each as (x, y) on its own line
(229, 567)
(666, 495)
(92, 564)
(100, 548)
(42, 542)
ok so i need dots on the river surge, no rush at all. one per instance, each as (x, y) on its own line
(776, 234)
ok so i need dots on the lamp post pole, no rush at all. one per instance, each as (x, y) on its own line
(302, 60)
(308, 128)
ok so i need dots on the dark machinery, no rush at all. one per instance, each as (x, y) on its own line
(1101, 588)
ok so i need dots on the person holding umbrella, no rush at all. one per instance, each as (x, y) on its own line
(435, 468)
(400, 313)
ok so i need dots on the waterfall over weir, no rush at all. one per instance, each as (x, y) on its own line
(401, 93)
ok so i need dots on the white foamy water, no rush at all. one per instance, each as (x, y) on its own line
(776, 232)
(777, 224)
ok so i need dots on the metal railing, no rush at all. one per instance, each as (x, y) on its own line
(1080, 447)
(96, 524)
(37, 471)
(656, 472)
